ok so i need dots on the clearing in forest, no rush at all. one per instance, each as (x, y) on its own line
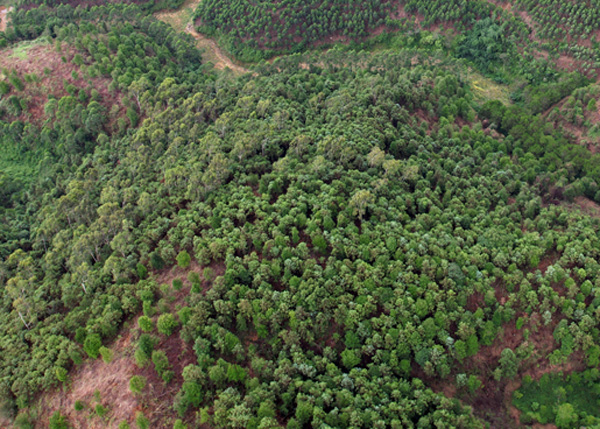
(181, 21)
(4, 17)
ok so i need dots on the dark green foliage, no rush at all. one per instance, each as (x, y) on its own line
(305, 21)
(177, 284)
(354, 221)
(161, 365)
(92, 345)
(484, 43)
(567, 401)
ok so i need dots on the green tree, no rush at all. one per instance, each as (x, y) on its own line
(92, 345)
(183, 259)
(360, 201)
(166, 324)
(137, 383)
(566, 417)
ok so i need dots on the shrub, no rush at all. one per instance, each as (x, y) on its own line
(137, 383)
(183, 259)
(61, 374)
(141, 269)
(101, 411)
(58, 421)
(166, 324)
(107, 354)
(141, 421)
(141, 358)
(209, 274)
(161, 365)
(179, 424)
(145, 324)
(177, 284)
(92, 345)
(79, 405)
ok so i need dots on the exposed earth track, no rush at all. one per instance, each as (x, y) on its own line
(4, 17)
(181, 20)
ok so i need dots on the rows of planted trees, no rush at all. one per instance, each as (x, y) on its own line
(568, 26)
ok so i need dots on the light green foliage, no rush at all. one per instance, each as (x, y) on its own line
(141, 421)
(58, 421)
(107, 354)
(179, 424)
(350, 358)
(100, 410)
(166, 324)
(137, 383)
(183, 259)
(61, 374)
(145, 324)
(162, 366)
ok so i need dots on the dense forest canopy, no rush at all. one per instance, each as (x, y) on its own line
(361, 236)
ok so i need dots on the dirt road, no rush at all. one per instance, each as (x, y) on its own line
(181, 20)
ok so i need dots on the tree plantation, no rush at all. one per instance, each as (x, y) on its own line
(398, 231)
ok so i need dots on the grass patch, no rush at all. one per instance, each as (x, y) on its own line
(546, 400)
(180, 18)
(21, 50)
(485, 89)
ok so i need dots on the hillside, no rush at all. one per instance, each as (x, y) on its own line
(395, 226)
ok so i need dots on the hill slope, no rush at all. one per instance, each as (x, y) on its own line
(339, 238)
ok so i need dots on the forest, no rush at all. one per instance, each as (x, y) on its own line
(391, 220)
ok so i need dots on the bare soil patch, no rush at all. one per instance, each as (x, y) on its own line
(222, 60)
(51, 69)
(588, 206)
(110, 380)
(181, 21)
(493, 402)
(4, 17)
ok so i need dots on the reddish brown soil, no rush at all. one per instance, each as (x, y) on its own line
(548, 260)
(43, 57)
(588, 206)
(493, 402)
(578, 134)
(111, 380)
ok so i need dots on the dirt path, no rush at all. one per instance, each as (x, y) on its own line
(223, 61)
(181, 20)
(4, 17)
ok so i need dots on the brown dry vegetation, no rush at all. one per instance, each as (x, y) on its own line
(493, 402)
(577, 133)
(52, 69)
(111, 380)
